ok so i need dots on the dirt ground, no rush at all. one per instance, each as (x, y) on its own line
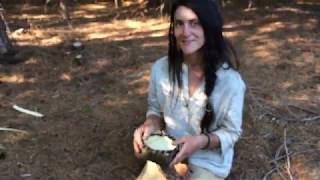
(92, 105)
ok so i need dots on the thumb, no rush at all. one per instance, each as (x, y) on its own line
(146, 133)
(179, 141)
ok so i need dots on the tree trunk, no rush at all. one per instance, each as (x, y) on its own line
(5, 43)
(117, 3)
(166, 6)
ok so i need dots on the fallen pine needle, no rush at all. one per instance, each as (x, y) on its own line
(23, 110)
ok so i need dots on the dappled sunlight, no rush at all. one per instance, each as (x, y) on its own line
(51, 41)
(311, 23)
(234, 24)
(93, 7)
(155, 44)
(115, 102)
(65, 77)
(125, 29)
(300, 98)
(27, 93)
(271, 27)
(291, 10)
(263, 54)
(32, 61)
(232, 34)
(93, 96)
(99, 63)
(40, 17)
(285, 85)
(15, 79)
(42, 37)
(14, 138)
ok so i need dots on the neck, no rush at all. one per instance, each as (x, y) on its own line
(194, 61)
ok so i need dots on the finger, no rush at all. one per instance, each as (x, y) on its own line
(179, 141)
(136, 148)
(178, 158)
(138, 140)
(146, 133)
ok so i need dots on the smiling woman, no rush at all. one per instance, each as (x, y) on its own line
(196, 95)
(188, 31)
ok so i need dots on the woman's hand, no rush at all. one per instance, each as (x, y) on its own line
(140, 134)
(189, 145)
(151, 125)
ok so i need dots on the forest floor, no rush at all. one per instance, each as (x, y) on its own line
(92, 105)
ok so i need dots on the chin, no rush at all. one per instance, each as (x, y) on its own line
(188, 51)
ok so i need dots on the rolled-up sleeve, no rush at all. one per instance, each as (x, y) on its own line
(230, 129)
(153, 102)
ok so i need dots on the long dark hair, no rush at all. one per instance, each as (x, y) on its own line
(216, 49)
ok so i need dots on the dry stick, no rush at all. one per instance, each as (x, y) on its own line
(291, 113)
(276, 158)
(271, 171)
(280, 148)
(281, 157)
(13, 130)
(303, 109)
(307, 119)
(267, 110)
(311, 118)
(287, 153)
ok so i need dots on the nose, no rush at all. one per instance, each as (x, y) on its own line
(186, 30)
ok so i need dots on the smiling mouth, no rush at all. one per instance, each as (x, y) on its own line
(186, 42)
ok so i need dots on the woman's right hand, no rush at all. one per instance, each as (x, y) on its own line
(139, 135)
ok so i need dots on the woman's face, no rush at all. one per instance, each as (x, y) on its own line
(188, 31)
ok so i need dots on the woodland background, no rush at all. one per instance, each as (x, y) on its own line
(94, 97)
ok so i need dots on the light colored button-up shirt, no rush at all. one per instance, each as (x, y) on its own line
(183, 114)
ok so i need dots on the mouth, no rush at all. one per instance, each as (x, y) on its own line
(186, 42)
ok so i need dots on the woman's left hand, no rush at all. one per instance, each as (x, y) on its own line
(189, 145)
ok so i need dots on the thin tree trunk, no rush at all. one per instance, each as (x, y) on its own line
(5, 43)
(117, 3)
(65, 12)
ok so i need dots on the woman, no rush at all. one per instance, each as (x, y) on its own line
(195, 93)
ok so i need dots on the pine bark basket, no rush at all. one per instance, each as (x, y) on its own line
(159, 149)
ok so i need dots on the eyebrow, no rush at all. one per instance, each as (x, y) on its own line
(192, 19)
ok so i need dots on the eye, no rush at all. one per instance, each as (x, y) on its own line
(194, 23)
(178, 23)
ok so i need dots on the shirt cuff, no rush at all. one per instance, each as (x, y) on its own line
(224, 141)
(151, 112)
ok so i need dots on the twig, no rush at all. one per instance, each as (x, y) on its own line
(266, 110)
(281, 157)
(280, 148)
(33, 113)
(287, 153)
(269, 173)
(306, 119)
(13, 130)
(303, 109)
(310, 118)
(291, 113)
